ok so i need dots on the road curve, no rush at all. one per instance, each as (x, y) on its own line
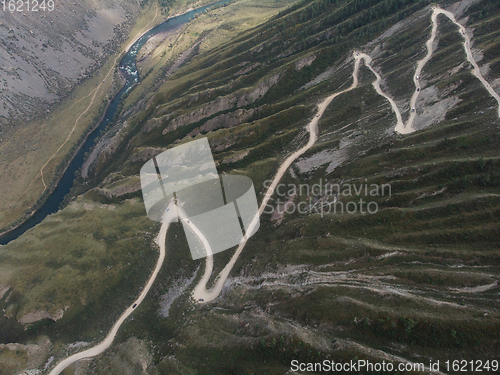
(201, 291)
(467, 42)
(376, 85)
(169, 216)
(408, 128)
(207, 295)
(416, 77)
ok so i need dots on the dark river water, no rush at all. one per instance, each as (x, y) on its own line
(129, 69)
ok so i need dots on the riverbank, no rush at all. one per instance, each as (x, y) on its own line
(90, 95)
(40, 205)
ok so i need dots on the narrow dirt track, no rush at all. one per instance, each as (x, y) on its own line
(201, 291)
(169, 216)
(207, 295)
(408, 128)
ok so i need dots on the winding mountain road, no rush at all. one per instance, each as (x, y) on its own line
(376, 85)
(201, 292)
(408, 128)
(169, 216)
(467, 42)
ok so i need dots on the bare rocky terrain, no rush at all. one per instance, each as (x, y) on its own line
(45, 54)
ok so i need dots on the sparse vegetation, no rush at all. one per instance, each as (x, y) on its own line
(418, 279)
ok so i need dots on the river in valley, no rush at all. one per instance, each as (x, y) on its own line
(129, 70)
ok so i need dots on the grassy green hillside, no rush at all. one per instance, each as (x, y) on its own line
(417, 279)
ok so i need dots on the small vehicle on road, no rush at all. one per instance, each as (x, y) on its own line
(418, 88)
(317, 115)
(135, 305)
(201, 299)
(413, 109)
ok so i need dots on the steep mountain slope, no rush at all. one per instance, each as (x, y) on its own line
(415, 280)
(53, 91)
(419, 277)
(45, 53)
